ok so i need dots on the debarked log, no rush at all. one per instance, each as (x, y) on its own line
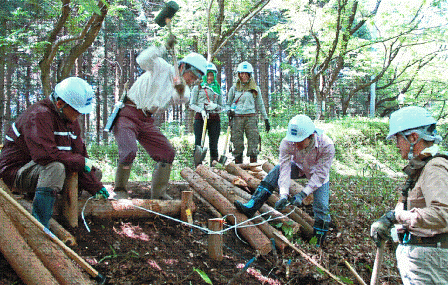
(226, 189)
(59, 231)
(130, 208)
(251, 181)
(21, 256)
(52, 256)
(252, 234)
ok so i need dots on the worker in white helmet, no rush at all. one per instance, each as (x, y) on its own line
(44, 143)
(305, 152)
(153, 91)
(244, 102)
(421, 214)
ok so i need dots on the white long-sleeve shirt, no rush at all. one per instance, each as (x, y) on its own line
(154, 89)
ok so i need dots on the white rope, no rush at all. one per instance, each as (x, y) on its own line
(208, 231)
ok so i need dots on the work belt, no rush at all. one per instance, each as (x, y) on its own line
(143, 112)
(439, 241)
(245, 115)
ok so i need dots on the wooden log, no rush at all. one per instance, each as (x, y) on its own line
(21, 256)
(50, 253)
(295, 187)
(70, 199)
(58, 230)
(257, 174)
(251, 181)
(251, 166)
(186, 207)
(212, 209)
(215, 241)
(264, 209)
(130, 208)
(307, 228)
(235, 180)
(227, 190)
(253, 235)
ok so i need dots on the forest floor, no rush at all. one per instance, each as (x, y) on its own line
(162, 251)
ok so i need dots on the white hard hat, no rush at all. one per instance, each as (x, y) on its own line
(299, 128)
(212, 67)
(245, 67)
(76, 92)
(409, 118)
(196, 63)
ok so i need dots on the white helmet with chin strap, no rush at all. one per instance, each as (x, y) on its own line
(413, 119)
(245, 67)
(195, 63)
(299, 128)
(76, 92)
(211, 67)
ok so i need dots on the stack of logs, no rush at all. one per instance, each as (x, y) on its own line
(220, 188)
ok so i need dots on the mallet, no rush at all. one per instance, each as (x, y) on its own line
(164, 18)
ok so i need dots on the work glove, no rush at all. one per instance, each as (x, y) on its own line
(211, 106)
(171, 41)
(380, 229)
(102, 194)
(267, 125)
(204, 114)
(281, 203)
(297, 199)
(88, 165)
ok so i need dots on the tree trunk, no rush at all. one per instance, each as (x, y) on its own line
(252, 234)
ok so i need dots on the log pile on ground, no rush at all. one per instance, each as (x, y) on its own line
(221, 188)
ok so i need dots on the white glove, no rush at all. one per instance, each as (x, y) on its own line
(204, 114)
(88, 164)
(211, 106)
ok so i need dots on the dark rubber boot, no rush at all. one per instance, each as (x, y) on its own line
(43, 205)
(239, 159)
(320, 230)
(257, 200)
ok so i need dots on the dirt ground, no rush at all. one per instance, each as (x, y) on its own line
(162, 251)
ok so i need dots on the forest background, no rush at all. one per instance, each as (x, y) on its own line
(330, 59)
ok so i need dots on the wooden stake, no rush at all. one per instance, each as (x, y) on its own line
(377, 264)
(215, 241)
(186, 206)
(353, 271)
(70, 199)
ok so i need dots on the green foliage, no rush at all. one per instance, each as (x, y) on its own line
(203, 275)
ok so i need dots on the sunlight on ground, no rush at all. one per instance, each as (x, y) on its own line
(131, 231)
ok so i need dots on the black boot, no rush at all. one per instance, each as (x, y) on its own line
(257, 200)
(238, 159)
(320, 230)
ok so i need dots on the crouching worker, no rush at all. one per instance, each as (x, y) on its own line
(44, 144)
(151, 92)
(305, 152)
(421, 214)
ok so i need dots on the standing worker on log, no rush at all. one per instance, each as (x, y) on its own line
(243, 101)
(421, 214)
(44, 144)
(152, 91)
(206, 100)
(305, 152)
